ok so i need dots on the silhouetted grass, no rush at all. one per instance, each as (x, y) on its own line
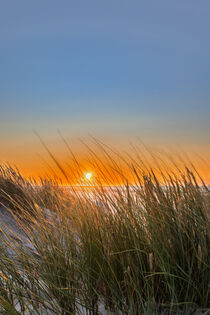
(135, 249)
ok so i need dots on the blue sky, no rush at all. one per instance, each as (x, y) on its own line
(110, 68)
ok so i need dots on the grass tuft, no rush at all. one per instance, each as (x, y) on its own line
(137, 248)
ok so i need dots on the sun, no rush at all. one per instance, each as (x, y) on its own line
(88, 175)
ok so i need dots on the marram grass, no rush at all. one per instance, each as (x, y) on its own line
(141, 249)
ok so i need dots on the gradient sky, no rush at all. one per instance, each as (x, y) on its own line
(115, 69)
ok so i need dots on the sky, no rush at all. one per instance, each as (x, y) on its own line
(118, 70)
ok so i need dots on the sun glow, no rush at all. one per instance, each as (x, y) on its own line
(88, 175)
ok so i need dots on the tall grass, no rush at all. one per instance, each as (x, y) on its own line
(132, 249)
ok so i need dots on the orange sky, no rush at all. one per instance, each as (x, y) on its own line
(33, 160)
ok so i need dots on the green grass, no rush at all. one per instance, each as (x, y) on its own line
(135, 249)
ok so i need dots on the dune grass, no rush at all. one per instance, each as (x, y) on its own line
(135, 249)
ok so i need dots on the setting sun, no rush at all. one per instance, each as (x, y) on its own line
(88, 175)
